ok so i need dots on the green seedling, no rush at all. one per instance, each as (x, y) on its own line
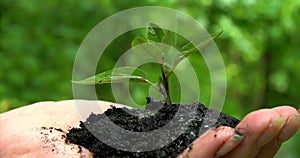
(155, 34)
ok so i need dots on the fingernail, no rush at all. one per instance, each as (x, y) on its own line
(231, 143)
(272, 130)
(296, 119)
(294, 122)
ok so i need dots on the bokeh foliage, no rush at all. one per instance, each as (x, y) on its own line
(260, 47)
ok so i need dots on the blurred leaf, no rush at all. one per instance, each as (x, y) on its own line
(168, 38)
(137, 41)
(4, 105)
(142, 47)
(188, 49)
(155, 33)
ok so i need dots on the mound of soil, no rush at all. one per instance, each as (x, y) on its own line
(185, 123)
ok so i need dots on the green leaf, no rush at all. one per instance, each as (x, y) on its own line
(189, 49)
(137, 41)
(168, 38)
(202, 45)
(120, 74)
(146, 50)
(155, 33)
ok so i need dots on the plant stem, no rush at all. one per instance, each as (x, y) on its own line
(165, 89)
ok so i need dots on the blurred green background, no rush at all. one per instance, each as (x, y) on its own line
(260, 47)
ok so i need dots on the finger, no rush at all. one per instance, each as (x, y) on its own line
(258, 128)
(292, 125)
(222, 139)
(288, 130)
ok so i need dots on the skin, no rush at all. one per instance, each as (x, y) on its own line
(25, 132)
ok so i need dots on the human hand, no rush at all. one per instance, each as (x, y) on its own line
(37, 131)
(258, 135)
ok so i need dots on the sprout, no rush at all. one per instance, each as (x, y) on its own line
(155, 34)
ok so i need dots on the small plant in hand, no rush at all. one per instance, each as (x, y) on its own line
(155, 34)
(157, 119)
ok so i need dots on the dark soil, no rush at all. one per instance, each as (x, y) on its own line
(190, 120)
